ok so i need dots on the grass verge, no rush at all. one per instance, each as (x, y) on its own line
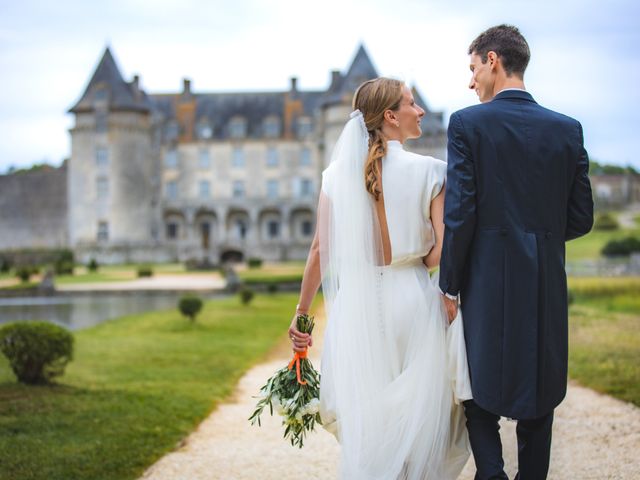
(604, 335)
(137, 386)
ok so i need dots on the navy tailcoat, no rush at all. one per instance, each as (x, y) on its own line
(517, 189)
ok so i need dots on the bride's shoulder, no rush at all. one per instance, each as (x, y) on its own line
(425, 161)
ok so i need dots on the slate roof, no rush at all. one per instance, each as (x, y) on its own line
(107, 80)
(217, 109)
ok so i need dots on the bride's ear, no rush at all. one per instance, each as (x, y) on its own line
(391, 118)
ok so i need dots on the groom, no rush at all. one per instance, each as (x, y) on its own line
(517, 190)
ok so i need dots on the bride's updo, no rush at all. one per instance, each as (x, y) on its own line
(373, 98)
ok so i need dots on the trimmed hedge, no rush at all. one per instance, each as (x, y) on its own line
(37, 351)
(605, 221)
(246, 295)
(623, 247)
(190, 306)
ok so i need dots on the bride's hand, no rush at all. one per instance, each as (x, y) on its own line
(299, 340)
(451, 306)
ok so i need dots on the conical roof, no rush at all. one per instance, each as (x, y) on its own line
(360, 70)
(107, 83)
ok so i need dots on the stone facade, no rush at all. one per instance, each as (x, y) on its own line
(206, 177)
(33, 209)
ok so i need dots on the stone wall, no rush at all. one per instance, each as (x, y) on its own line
(33, 209)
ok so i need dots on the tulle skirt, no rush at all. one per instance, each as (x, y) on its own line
(410, 424)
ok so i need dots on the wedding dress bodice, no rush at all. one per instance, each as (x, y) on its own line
(409, 182)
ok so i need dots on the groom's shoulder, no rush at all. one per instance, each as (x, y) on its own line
(484, 111)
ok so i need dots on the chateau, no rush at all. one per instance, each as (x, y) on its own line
(204, 176)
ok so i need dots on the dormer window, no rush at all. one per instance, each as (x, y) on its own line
(238, 127)
(204, 130)
(304, 127)
(100, 94)
(271, 127)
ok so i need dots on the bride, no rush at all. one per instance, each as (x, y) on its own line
(393, 370)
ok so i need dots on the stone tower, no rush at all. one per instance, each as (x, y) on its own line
(113, 170)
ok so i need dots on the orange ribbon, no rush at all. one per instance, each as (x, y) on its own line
(296, 359)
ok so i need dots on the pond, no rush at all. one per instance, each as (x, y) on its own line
(76, 311)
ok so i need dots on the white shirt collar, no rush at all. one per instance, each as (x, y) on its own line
(513, 88)
(394, 144)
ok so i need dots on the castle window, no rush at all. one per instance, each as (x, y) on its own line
(102, 157)
(305, 156)
(241, 229)
(171, 190)
(204, 189)
(103, 232)
(272, 189)
(306, 228)
(302, 188)
(271, 127)
(102, 187)
(238, 157)
(101, 122)
(306, 188)
(272, 157)
(304, 127)
(172, 130)
(273, 228)
(172, 230)
(238, 189)
(204, 158)
(238, 128)
(171, 158)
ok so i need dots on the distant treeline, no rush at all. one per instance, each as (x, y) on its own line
(596, 168)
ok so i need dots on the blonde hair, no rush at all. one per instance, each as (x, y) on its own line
(373, 98)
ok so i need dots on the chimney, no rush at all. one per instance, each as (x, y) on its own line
(186, 86)
(294, 84)
(335, 78)
(136, 82)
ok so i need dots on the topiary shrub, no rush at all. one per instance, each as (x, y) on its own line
(246, 295)
(37, 351)
(92, 266)
(23, 273)
(605, 221)
(623, 247)
(190, 306)
(254, 262)
(145, 271)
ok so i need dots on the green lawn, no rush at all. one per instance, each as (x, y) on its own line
(273, 273)
(604, 335)
(137, 386)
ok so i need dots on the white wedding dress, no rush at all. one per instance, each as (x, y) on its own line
(392, 382)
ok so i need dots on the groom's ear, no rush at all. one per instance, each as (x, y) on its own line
(492, 60)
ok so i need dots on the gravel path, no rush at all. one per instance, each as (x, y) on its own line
(594, 437)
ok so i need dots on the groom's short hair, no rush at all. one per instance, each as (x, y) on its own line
(509, 45)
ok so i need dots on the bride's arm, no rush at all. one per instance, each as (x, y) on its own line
(432, 259)
(311, 280)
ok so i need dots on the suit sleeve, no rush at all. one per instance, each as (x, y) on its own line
(459, 208)
(580, 206)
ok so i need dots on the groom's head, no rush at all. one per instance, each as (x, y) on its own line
(497, 54)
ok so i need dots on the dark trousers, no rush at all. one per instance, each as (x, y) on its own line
(534, 445)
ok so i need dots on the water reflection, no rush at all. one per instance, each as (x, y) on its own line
(75, 311)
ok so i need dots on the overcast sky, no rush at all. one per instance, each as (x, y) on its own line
(585, 60)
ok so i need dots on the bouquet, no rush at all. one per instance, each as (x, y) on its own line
(294, 393)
